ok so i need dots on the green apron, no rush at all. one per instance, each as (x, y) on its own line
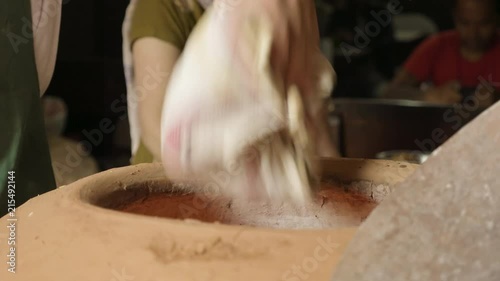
(23, 142)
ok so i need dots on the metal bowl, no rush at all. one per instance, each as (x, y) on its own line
(417, 157)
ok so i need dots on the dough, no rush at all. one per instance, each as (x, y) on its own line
(238, 109)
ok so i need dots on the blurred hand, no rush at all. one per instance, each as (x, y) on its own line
(485, 95)
(294, 28)
(448, 93)
(296, 58)
(263, 81)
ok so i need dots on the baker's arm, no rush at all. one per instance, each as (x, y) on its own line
(403, 86)
(154, 60)
(406, 86)
(46, 20)
(417, 68)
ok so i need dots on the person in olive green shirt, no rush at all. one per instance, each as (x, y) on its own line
(155, 32)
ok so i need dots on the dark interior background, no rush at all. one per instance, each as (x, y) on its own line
(89, 71)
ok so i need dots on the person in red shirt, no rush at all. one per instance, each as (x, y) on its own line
(460, 64)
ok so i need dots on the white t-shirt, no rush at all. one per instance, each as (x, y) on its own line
(46, 20)
(128, 66)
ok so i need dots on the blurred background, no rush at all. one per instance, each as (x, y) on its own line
(86, 101)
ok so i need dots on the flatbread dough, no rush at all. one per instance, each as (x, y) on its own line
(231, 113)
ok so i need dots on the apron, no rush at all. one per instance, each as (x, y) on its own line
(23, 142)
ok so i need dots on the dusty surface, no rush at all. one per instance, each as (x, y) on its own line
(443, 222)
(333, 207)
(63, 235)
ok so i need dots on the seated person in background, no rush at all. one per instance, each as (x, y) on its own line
(460, 64)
